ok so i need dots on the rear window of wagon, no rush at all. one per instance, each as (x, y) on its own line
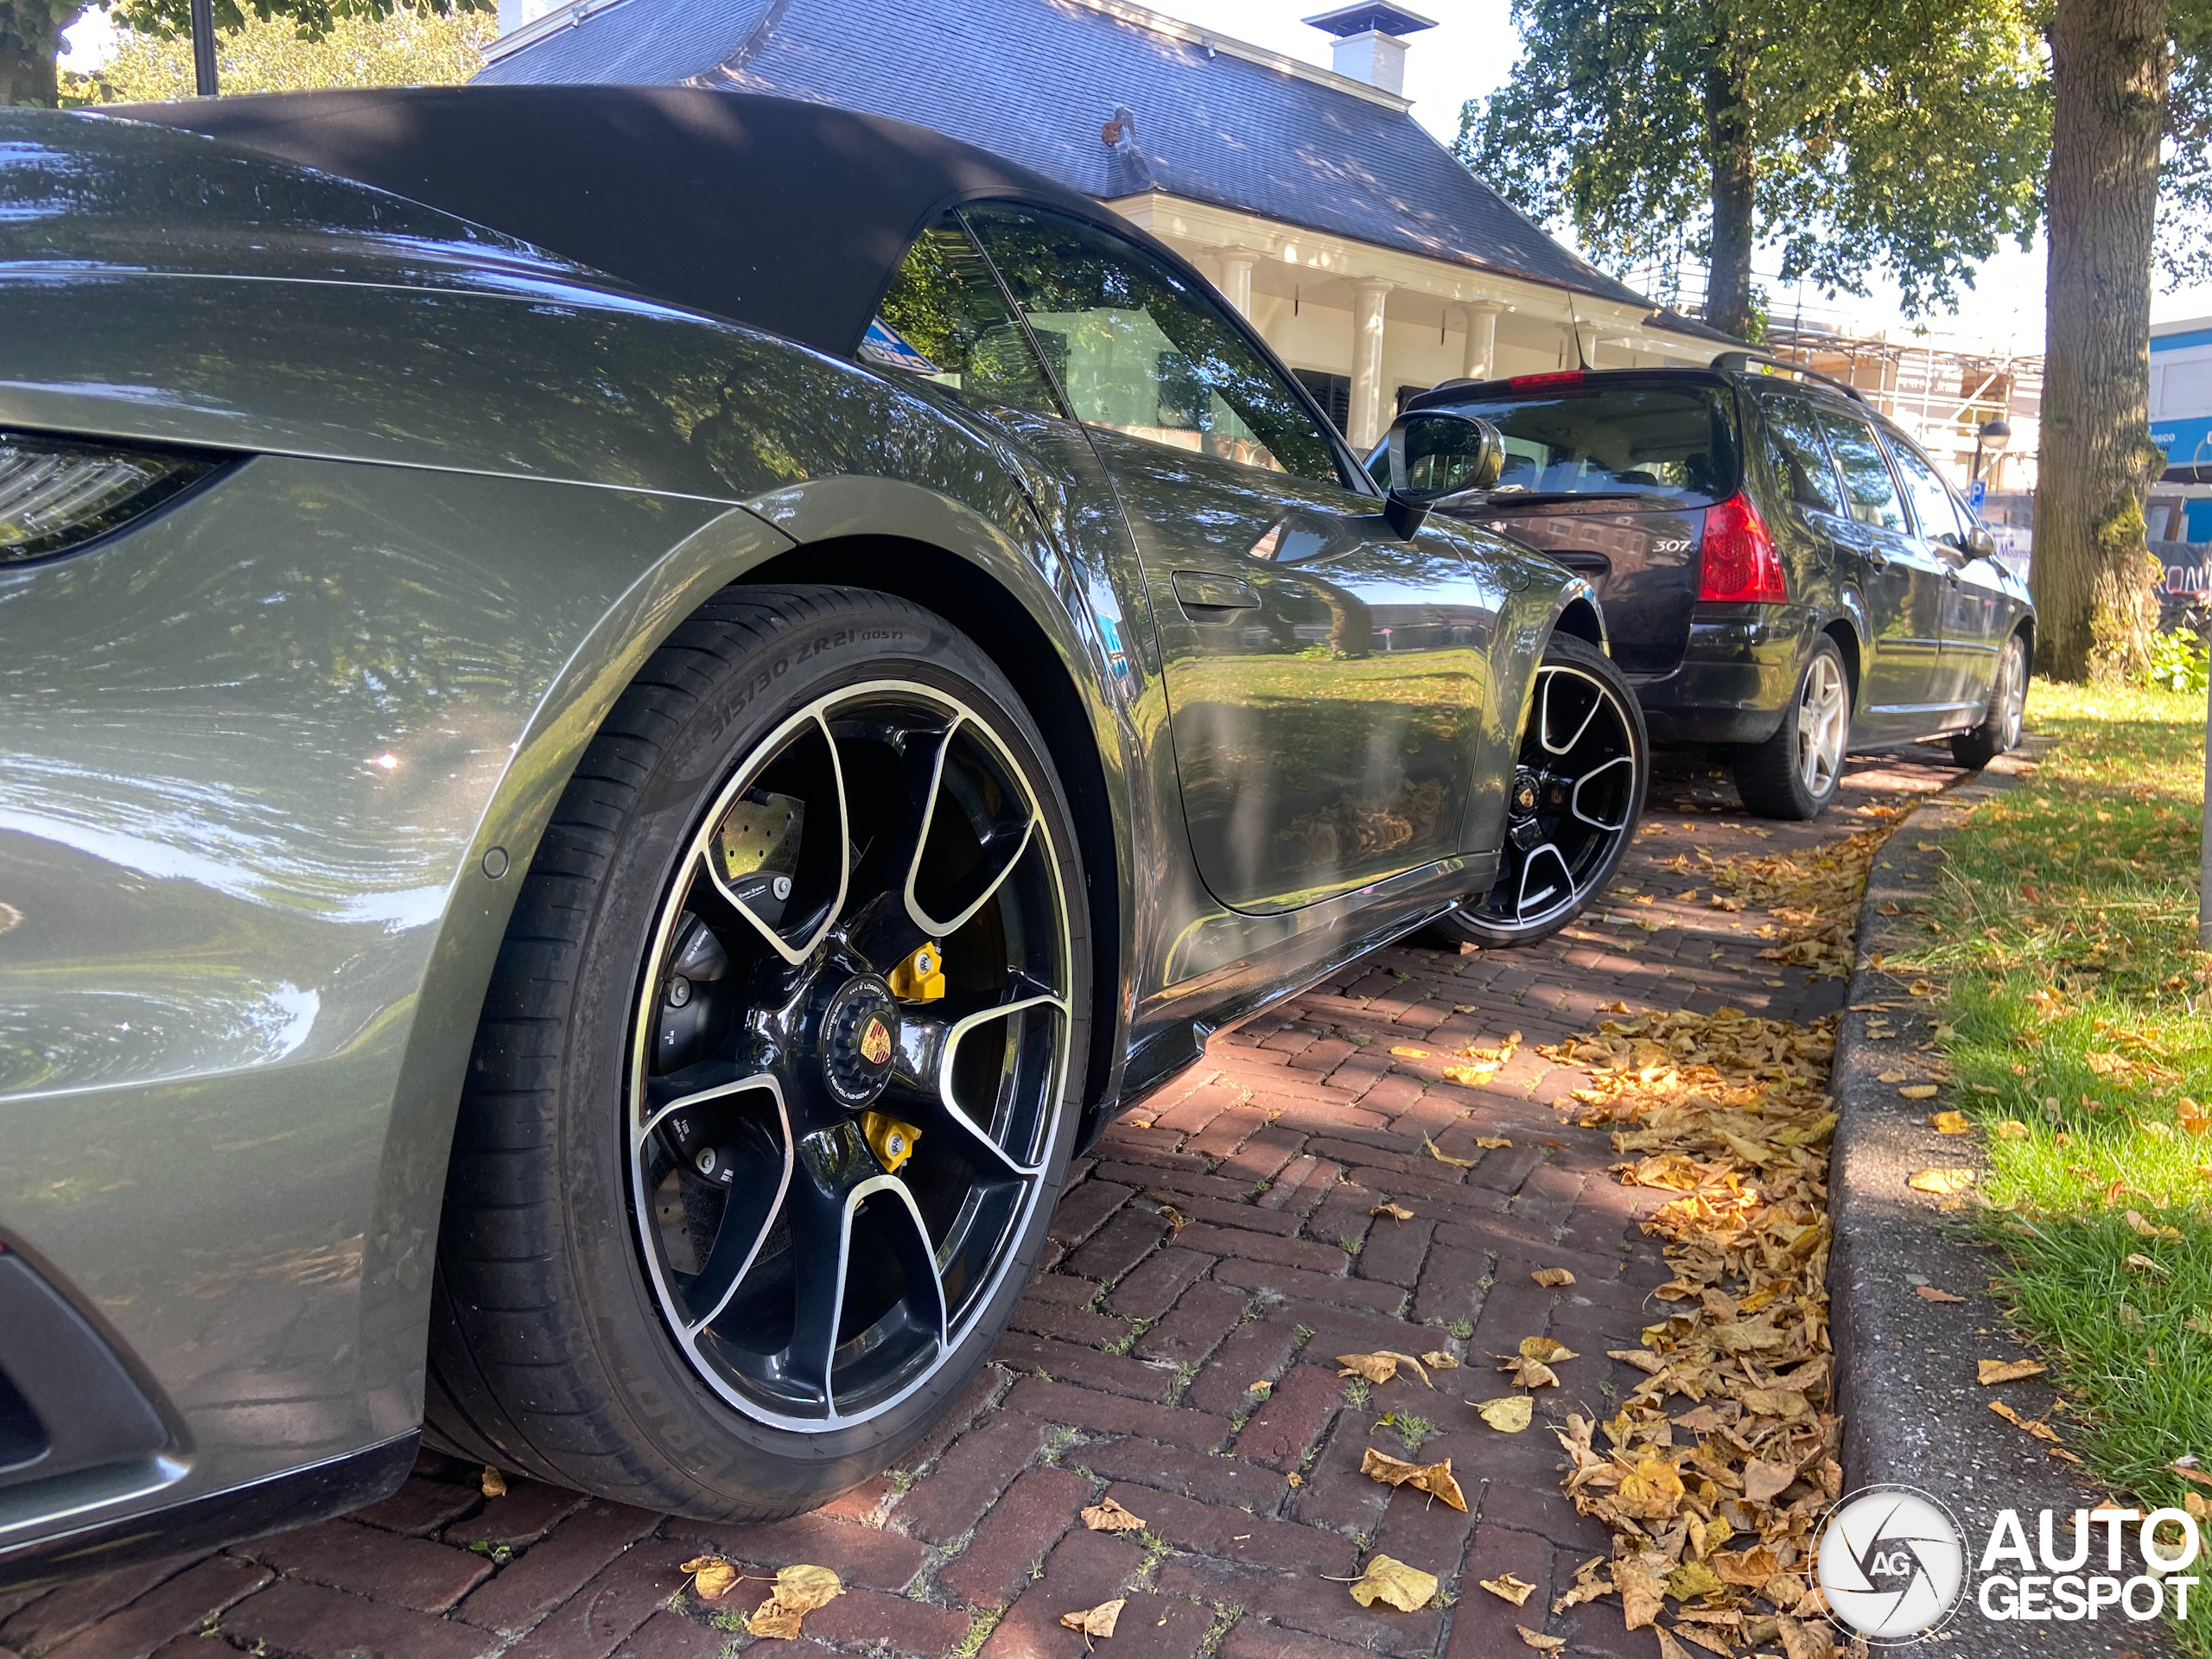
(1673, 443)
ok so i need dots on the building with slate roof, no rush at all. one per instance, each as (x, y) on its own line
(1373, 262)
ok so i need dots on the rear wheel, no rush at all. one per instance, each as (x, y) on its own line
(1797, 773)
(1576, 794)
(1999, 731)
(775, 1087)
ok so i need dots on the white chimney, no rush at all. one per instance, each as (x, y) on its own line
(1370, 44)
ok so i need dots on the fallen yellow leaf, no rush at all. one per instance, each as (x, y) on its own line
(799, 1591)
(1380, 1366)
(1891, 1077)
(1434, 1478)
(2149, 1229)
(1547, 1350)
(1540, 1643)
(1929, 1293)
(1918, 1091)
(2136, 1261)
(1692, 1579)
(2040, 1430)
(1552, 1278)
(711, 1576)
(1530, 1373)
(1509, 1415)
(1949, 1122)
(2011, 1129)
(1391, 1581)
(494, 1484)
(1445, 1157)
(1097, 1621)
(1510, 1588)
(1110, 1517)
(1991, 1372)
(1643, 1593)
(1764, 1481)
(1397, 1212)
(1492, 1142)
(1173, 1217)
(1943, 1182)
(1411, 1053)
(1437, 1360)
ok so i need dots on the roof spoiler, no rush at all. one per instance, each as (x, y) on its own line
(1737, 362)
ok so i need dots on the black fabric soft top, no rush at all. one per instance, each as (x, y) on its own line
(786, 216)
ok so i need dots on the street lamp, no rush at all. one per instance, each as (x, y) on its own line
(203, 47)
(1998, 429)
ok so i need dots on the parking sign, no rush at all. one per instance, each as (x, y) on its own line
(1977, 493)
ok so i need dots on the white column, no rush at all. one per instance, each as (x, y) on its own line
(1237, 277)
(1480, 362)
(1367, 416)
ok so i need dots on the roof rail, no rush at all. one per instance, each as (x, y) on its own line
(1736, 362)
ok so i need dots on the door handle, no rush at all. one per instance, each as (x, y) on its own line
(1207, 596)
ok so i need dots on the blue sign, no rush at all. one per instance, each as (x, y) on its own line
(1977, 493)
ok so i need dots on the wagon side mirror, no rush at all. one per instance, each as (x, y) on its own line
(1980, 543)
(1437, 455)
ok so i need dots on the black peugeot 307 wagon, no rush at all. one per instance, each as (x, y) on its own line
(1786, 574)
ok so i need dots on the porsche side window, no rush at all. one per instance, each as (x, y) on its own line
(1140, 350)
(1866, 477)
(1932, 507)
(946, 320)
(1799, 455)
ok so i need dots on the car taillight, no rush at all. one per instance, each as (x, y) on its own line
(1739, 564)
(1557, 378)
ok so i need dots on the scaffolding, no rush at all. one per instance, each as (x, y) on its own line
(1942, 389)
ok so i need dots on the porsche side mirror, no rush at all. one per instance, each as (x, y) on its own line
(1437, 455)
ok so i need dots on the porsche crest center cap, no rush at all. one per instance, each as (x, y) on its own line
(860, 1032)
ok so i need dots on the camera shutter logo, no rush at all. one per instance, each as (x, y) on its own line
(1892, 1563)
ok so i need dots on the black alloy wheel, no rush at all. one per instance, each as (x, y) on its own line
(849, 1049)
(779, 1073)
(1572, 808)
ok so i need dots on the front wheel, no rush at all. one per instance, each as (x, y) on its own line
(1999, 731)
(777, 1077)
(1576, 793)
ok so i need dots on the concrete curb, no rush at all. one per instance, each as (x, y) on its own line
(1913, 1413)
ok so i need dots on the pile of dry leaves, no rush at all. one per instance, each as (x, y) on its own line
(1713, 1474)
(1813, 894)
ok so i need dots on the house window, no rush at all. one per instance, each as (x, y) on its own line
(1331, 391)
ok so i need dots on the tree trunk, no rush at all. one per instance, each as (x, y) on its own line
(1735, 178)
(2095, 601)
(30, 36)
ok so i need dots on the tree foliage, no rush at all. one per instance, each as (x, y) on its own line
(410, 47)
(1856, 135)
(2185, 244)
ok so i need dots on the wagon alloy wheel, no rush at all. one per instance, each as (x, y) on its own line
(1824, 726)
(849, 1044)
(1999, 731)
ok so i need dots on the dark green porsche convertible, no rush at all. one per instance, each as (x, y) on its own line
(625, 714)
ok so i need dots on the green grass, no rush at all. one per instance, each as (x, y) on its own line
(2080, 1027)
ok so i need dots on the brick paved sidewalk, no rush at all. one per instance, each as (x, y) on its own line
(1131, 1366)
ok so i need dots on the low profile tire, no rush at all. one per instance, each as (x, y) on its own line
(776, 1080)
(1576, 794)
(1797, 773)
(1999, 731)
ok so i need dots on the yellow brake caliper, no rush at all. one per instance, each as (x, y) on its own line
(920, 978)
(892, 1141)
